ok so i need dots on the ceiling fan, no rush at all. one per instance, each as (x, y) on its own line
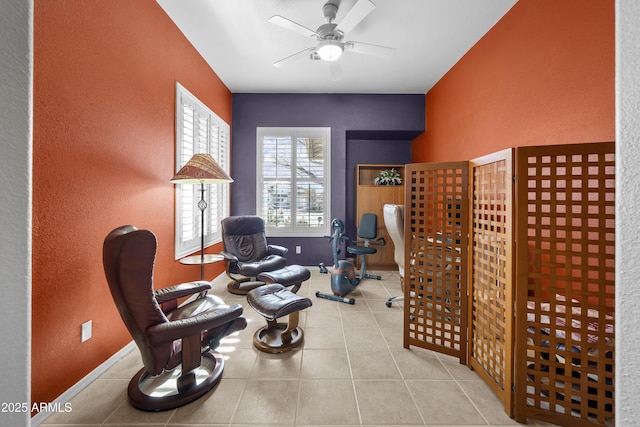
(330, 36)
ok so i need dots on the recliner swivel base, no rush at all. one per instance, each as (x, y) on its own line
(279, 337)
(242, 286)
(165, 391)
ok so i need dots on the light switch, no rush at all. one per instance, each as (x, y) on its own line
(86, 330)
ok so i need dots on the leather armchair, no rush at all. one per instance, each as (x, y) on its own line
(247, 253)
(176, 341)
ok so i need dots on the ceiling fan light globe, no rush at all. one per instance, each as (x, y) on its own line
(329, 50)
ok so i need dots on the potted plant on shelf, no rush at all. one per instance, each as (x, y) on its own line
(388, 177)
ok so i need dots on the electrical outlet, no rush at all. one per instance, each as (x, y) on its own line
(86, 330)
(298, 249)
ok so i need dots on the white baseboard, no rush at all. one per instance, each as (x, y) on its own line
(37, 419)
(84, 382)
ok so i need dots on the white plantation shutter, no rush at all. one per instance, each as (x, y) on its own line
(294, 180)
(199, 130)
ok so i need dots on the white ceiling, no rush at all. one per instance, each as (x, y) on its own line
(241, 45)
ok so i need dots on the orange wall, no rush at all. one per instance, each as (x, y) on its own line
(104, 102)
(542, 75)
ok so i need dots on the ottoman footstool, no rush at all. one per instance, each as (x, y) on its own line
(291, 275)
(273, 302)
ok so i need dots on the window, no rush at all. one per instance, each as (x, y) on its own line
(199, 130)
(294, 180)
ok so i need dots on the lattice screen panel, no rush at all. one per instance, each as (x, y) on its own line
(566, 270)
(436, 212)
(491, 318)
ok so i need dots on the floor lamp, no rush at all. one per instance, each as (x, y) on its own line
(201, 169)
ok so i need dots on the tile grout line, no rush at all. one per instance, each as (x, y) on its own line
(404, 380)
(370, 301)
(457, 382)
(295, 415)
(353, 383)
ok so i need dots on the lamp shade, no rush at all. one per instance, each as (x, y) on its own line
(201, 169)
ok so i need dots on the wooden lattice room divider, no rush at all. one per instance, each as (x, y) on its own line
(436, 257)
(509, 266)
(565, 311)
(491, 307)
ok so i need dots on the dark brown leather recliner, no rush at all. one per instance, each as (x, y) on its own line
(176, 341)
(247, 253)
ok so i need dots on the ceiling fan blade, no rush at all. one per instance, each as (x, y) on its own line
(292, 26)
(336, 70)
(296, 56)
(370, 49)
(358, 12)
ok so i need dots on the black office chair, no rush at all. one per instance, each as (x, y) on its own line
(368, 232)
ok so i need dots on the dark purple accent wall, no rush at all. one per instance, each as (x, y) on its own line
(365, 128)
(393, 152)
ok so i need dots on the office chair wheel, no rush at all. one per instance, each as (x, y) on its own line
(391, 300)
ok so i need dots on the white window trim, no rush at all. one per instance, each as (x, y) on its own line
(293, 132)
(216, 195)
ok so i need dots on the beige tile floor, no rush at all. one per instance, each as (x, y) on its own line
(351, 371)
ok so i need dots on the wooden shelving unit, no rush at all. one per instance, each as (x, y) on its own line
(370, 198)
